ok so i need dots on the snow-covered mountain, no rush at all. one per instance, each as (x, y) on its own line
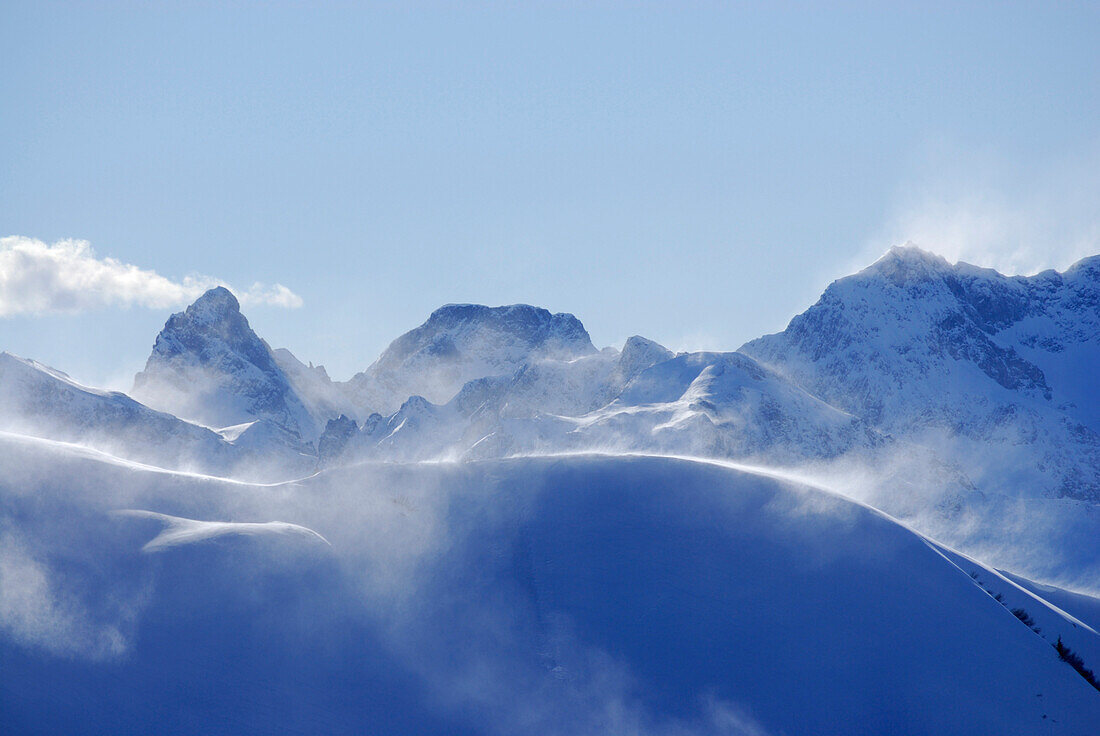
(39, 402)
(642, 399)
(993, 372)
(476, 381)
(462, 342)
(566, 575)
(208, 366)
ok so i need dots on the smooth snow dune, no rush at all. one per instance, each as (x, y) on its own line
(566, 595)
(179, 531)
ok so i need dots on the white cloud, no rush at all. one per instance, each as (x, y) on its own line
(68, 276)
(275, 295)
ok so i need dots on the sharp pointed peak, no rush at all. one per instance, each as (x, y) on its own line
(911, 253)
(218, 300)
(907, 262)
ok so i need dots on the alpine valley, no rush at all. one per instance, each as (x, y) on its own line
(884, 519)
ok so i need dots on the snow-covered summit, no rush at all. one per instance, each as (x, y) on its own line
(906, 263)
(208, 365)
(463, 342)
(918, 346)
(640, 353)
(217, 305)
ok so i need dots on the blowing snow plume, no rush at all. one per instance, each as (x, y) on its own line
(555, 595)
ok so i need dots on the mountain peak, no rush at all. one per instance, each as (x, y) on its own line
(466, 328)
(462, 342)
(218, 294)
(522, 320)
(215, 305)
(214, 316)
(907, 262)
(1088, 267)
(207, 365)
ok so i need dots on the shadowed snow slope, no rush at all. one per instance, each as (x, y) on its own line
(565, 595)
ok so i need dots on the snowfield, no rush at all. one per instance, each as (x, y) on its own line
(577, 594)
(882, 520)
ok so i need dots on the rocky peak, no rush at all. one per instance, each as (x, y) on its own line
(335, 438)
(208, 365)
(639, 354)
(453, 327)
(462, 342)
(215, 305)
(906, 263)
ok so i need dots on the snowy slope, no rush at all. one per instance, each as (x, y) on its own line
(543, 596)
(723, 405)
(993, 372)
(38, 401)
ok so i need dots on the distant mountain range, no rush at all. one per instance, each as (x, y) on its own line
(883, 519)
(952, 390)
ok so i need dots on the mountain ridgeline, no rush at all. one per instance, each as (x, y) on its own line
(953, 359)
(497, 527)
(950, 390)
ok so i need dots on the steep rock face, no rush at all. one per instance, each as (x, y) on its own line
(994, 370)
(335, 437)
(463, 342)
(209, 366)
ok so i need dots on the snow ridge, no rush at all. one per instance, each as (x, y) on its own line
(917, 346)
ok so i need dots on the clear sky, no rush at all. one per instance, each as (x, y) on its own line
(696, 173)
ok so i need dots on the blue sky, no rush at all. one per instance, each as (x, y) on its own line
(696, 173)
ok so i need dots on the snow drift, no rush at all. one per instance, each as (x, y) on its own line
(576, 594)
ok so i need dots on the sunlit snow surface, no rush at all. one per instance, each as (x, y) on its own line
(497, 528)
(179, 531)
(577, 594)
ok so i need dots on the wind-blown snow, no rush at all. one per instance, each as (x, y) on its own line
(179, 531)
(557, 595)
(993, 371)
(532, 536)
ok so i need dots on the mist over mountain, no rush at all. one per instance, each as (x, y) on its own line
(994, 372)
(209, 366)
(495, 500)
(463, 342)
